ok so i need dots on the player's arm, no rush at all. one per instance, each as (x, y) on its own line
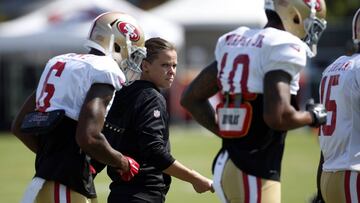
(30, 140)
(90, 124)
(200, 183)
(195, 97)
(279, 114)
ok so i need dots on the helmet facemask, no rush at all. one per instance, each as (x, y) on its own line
(131, 66)
(356, 28)
(314, 27)
(303, 18)
(129, 59)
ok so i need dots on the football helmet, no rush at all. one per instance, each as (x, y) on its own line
(356, 27)
(303, 18)
(118, 35)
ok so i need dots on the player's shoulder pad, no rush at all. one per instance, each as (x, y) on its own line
(279, 37)
(237, 31)
(105, 68)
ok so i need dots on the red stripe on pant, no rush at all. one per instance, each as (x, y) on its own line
(246, 188)
(247, 192)
(347, 186)
(68, 198)
(57, 194)
(258, 184)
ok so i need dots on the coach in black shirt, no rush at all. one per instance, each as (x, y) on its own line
(138, 126)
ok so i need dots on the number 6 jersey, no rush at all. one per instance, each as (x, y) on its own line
(64, 84)
(243, 57)
(67, 78)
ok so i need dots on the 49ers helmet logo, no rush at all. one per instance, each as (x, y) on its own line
(317, 6)
(129, 29)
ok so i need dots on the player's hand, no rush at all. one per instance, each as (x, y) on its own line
(317, 111)
(133, 169)
(92, 169)
(202, 184)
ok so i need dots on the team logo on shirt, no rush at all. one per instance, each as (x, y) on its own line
(156, 113)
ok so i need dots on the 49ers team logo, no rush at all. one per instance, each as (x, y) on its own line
(317, 6)
(129, 29)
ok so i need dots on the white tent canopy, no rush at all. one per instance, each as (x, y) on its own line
(213, 12)
(64, 25)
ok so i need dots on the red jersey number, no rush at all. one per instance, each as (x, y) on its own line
(48, 87)
(241, 127)
(242, 59)
(330, 105)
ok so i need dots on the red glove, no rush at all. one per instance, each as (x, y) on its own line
(92, 169)
(133, 170)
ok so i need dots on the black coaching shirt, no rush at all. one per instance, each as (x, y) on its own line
(137, 126)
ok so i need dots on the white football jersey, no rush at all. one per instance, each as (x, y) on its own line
(340, 94)
(67, 78)
(245, 55)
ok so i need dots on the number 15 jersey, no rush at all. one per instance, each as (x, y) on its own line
(340, 94)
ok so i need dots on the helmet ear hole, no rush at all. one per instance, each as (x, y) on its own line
(117, 48)
(296, 19)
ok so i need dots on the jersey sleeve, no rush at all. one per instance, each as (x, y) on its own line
(288, 57)
(153, 132)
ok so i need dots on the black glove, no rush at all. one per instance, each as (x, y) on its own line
(317, 111)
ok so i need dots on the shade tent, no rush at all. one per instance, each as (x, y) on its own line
(64, 25)
(213, 13)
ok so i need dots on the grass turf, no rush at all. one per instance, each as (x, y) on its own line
(195, 148)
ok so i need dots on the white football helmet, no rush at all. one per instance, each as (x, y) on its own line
(118, 35)
(356, 27)
(303, 18)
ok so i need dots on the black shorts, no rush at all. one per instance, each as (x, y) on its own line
(148, 196)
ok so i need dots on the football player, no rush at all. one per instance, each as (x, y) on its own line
(340, 137)
(62, 121)
(256, 72)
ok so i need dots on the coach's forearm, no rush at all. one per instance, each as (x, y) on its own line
(181, 172)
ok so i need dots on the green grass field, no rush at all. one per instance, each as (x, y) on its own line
(194, 147)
